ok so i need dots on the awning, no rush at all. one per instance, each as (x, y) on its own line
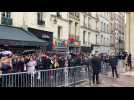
(18, 36)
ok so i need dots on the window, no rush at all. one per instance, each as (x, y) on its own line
(59, 32)
(58, 14)
(88, 37)
(6, 14)
(76, 24)
(84, 19)
(77, 14)
(40, 18)
(84, 34)
(101, 39)
(70, 25)
(88, 22)
(6, 18)
(104, 41)
(104, 27)
(110, 39)
(96, 39)
(71, 13)
(107, 28)
(101, 26)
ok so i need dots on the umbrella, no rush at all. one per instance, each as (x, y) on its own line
(6, 53)
(27, 52)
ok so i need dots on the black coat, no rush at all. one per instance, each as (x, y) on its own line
(46, 63)
(78, 62)
(113, 61)
(129, 59)
(61, 62)
(96, 64)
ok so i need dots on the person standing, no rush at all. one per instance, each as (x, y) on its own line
(113, 63)
(6, 67)
(126, 62)
(129, 62)
(96, 66)
(31, 69)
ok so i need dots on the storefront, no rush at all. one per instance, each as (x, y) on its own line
(18, 39)
(74, 47)
(86, 49)
(60, 45)
(44, 35)
(74, 44)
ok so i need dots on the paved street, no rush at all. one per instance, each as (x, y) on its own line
(126, 80)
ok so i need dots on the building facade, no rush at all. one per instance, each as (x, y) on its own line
(88, 31)
(129, 36)
(18, 23)
(76, 31)
(49, 26)
(118, 19)
(104, 34)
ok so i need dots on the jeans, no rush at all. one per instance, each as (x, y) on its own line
(114, 72)
(95, 78)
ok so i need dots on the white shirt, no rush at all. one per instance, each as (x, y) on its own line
(31, 66)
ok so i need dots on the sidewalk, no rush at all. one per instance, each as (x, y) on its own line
(126, 80)
(129, 73)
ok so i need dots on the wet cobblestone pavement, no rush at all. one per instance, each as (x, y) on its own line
(126, 79)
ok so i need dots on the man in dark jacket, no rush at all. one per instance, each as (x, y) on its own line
(129, 61)
(46, 62)
(61, 62)
(113, 62)
(96, 66)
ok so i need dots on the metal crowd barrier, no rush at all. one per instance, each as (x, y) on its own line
(61, 77)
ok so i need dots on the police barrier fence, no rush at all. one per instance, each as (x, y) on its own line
(60, 77)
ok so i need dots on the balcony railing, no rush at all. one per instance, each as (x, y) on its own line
(6, 21)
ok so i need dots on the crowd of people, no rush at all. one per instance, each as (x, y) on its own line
(38, 61)
(44, 61)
